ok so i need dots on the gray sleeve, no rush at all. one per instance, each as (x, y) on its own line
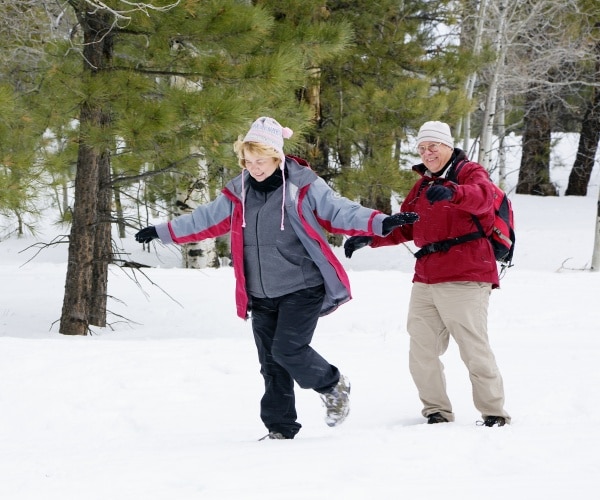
(206, 221)
(344, 215)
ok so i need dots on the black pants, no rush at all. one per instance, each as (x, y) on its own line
(283, 329)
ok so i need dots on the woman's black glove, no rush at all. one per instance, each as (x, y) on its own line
(355, 243)
(398, 219)
(146, 235)
(438, 192)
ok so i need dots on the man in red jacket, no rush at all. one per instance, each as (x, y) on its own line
(453, 276)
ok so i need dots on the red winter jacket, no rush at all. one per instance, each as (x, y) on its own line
(470, 261)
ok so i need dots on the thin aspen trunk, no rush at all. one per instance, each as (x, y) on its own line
(501, 125)
(487, 132)
(120, 218)
(65, 200)
(203, 253)
(472, 79)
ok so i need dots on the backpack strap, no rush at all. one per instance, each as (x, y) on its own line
(455, 170)
(445, 245)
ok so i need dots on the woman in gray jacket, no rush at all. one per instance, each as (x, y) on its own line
(286, 273)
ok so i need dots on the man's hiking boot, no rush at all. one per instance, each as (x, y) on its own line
(274, 435)
(436, 418)
(492, 421)
(337, 402)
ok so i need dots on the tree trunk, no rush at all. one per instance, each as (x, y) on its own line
(579, 177)
(534, 172)
(75, 317)
(378, 202)
(65, 201)
(200, 254)
(19, 224)
(501, 141)
(120, 217)
(491, 105)
(102, 245)
(471, 36)
(317, 150)
(75, 313)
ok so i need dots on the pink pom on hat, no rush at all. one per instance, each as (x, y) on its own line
(268, 131)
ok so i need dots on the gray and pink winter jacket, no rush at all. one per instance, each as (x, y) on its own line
(310, 205)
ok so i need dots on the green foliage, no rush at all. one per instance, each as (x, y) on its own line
(396, 76)
(375, 181)
(178, 86)
(351, 78)
(19, 174)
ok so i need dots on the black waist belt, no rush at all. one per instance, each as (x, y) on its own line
(445, 245)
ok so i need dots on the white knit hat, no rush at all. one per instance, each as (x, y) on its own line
(435, 132)
(268, 131)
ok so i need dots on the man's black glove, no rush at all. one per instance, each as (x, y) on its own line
(355, 243)
(438, 192)
(399, 219)
(146, 235)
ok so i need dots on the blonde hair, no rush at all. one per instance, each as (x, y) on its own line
(258, 148)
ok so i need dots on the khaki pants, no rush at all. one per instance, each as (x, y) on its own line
(458, 309)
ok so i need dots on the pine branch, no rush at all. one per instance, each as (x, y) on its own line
(171, 166)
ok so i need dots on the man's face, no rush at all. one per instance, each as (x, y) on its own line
(434, 155)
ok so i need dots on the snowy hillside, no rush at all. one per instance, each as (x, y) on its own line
(164, 404)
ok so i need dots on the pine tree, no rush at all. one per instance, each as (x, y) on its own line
(401, 72)
(20, 173)
(133, 122)
(308, 26)
(26, 27)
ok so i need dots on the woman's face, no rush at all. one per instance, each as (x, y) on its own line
(260, 167)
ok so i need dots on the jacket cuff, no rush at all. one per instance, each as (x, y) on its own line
(377, 224)
(164, 233)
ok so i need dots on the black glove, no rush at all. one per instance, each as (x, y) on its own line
(398, 219)
(438, 192)
(356, 243)
(146, 235)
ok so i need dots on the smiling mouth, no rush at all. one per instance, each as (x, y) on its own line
(259, 177)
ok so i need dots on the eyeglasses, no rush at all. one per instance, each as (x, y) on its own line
(432, 148)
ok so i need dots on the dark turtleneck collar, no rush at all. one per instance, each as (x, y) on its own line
(271, 183)
(450, 163)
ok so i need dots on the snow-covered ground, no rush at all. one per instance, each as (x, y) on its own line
(164, 404)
